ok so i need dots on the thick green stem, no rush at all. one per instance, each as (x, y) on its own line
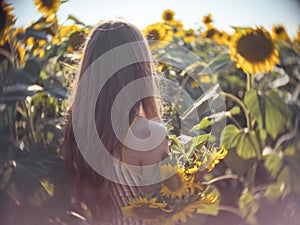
(252, 172)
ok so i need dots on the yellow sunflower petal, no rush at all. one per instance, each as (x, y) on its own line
(159, 34)
(47, 7)
(150, 211)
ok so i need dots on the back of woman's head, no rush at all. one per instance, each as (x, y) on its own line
(107, 36)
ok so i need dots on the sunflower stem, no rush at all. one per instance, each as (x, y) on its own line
(223, 177)
(241, 104)
(252, 172)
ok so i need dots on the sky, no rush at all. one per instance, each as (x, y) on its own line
(225, 13)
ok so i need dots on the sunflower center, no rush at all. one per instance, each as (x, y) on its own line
(146, 212)
(255, 47)
(76, 40)
(153, 35)
(210, 33)
(174, 183)
(48, 3)
(207, 20)
(169, 16)
(279, 30)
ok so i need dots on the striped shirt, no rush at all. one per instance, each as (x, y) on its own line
(126, 189)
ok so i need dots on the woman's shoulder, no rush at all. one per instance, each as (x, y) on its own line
(147, 141)
(144, 128)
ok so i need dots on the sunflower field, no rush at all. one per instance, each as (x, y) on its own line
(250, 178)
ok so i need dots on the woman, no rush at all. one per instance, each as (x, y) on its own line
(98, 198)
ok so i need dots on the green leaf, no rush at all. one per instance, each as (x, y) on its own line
(252, 100)
(274, 192)
(273, 164)
(235, 110)
(33, 69)
(177, 147)
(216, 117)
(19, 92)
(221, 63)
(199, 141)
(230, 139)
(248, 145)
(39, 181)
(211, 93)
(248, 206)
(55, 89)
(276, 113)
(77, 21)
(269, 110)
(228, 135)
(38, 34)
(210, 202)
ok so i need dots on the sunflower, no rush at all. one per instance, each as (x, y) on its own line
(210, 33)
(222, 38)
(279, 33)
(66, 31)
(175, 186)
(160, 33)
(48, 7)
(253, 50)
(150, 211)
(186, 211)
(6, 21)
(215, 156)
(168, 15)
(207, 20)
(189, 35)
(178, 32)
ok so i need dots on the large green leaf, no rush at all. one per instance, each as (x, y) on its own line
(55, 89)
(246, 143)
(38, 181)
(270, 111)
(230, 138)
(17, 92)
(27, 75)
(8, 152)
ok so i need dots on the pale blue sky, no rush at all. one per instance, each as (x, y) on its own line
(140, 12)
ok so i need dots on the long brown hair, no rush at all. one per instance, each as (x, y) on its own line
(88, 185)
